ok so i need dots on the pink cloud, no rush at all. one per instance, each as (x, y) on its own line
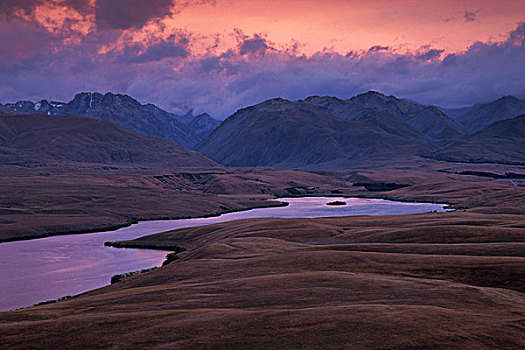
(168, 73)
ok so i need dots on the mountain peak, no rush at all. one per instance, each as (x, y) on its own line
(373, 94)
(508, 98)
(315, 98)
(271, 103)
(434, 109)
(127, 112)
(482, 115)
(277, 100)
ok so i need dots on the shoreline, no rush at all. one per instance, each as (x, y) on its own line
(134, 221)
(361, 196)
(172, 249)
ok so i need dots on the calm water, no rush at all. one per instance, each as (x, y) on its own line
(49, 268)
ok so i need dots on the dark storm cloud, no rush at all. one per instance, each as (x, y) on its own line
(167, 74)
(10, 8)
(172, 48)
(378, 48)
(125, 14)
(256, 45)
(21, 41)
(220, 85)
(430, 54)
(470, 16)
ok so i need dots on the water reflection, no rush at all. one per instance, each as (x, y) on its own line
(49, 268)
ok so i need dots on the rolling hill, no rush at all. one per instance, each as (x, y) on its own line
(38, 139)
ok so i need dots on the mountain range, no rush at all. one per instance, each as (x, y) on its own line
(482, 115)
(428, 120)
(321, 133)
(125, 111)
(327, 133)
(501, 142)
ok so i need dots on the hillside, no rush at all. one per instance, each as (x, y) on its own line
(428, 120)
(425, 281)
(38, 139)
(125, 111)
(289, 134)
(501, 142)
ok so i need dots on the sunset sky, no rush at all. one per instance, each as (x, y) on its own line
(218, 56)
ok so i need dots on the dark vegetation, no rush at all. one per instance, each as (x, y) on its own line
(120, 277)
(171, 257)
(132, 244)
(508, 175)
(336, 203)
(380, 186)
(47, 302)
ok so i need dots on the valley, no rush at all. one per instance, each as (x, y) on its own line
(445, 280)
(262, 175)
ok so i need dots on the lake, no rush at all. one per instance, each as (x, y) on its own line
(48, 268)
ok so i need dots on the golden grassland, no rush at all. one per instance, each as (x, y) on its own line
(453, 280)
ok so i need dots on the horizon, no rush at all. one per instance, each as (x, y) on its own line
(219, 56)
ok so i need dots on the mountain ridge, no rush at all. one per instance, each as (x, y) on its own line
(428, 120)
(292, 134)
(501, 142)
(481, 115)
(127, 112)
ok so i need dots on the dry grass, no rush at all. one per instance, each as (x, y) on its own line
(427, 281)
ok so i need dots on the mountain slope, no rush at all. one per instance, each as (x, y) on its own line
(480, 116)
(127, 112)
(427, 120)
(36, 139)
(289, 134)
(501, 142)
(390, 124)
(202, 125)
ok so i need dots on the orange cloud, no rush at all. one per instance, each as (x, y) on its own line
(343, 26)
(57, 18)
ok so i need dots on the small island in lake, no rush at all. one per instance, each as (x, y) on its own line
(336, 203)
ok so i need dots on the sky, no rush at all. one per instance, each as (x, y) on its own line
(217, 56)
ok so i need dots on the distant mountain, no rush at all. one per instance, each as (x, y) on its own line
(127, 112)
(428, 120)
(202, 125)
(289, 134)
(5, 110)
(480, 116)
(501, 142)
(27, 140)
